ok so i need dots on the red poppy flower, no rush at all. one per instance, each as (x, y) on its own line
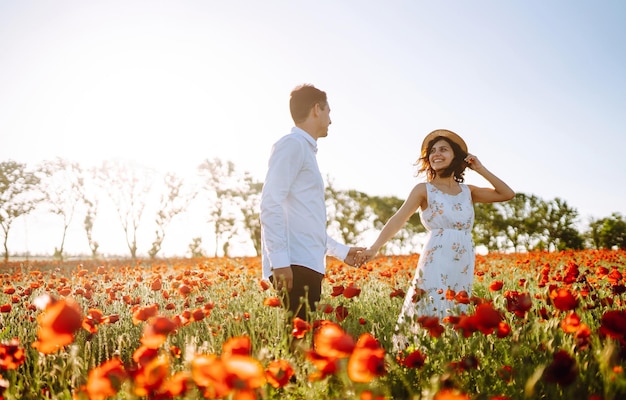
(265, 285)
(330, 340)
(563, 369)
(496, 286)
(11, 354)
(341, 313)
(487, 318)
(613, 324)
(155, 333)
(351, 291)
(326, 308)
(415, 359)
(149, 379)
(156, 284)
(57, 324)
(431, 323)
(397, 293)
(272, 302)
(518, 303)
(278, 373)
(451, 394)
(367, 360)
(563, 299)
(143, 354)
(325, 365)
(184, 290)
(175, 386)
(503, 330)
(210, 375)
(105, 380)
(239, 345)
(337, 291)
(244, 374)
(570, 323)
(143, 313)
(300, 328)
(462, 297)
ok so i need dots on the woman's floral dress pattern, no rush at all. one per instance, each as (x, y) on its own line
(447, 259)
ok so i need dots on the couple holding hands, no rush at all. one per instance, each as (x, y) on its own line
(293, 215)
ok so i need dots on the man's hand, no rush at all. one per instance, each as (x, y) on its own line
(364, 256)
(283, 278)
(352, 255)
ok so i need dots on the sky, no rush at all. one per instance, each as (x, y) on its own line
(537, 89)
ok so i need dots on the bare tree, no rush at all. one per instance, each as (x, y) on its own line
(61, 183)
(219, 183)
(18, 196)
(249, 198)
(128, 185)
(174, 199)
(90, 198)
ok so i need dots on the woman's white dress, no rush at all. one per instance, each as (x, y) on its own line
(446, 262)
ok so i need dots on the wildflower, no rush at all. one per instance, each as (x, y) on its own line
(431, 323)
(300, 328)
(272, 302)
(149, 378)
(341, 313)
(351, 291)
(156, 285)
(613, 324)
(264, 285)
(239, 345)
(57, 324)
(563, 299)
(450, 394)
(337, 291)
(570, 323)
(503, 330)
(496, 286)
(105, 380)
(143, 313)
(487, 318)
(562, 370)
(331, 341)
(518, 303)
(155, 333)
(367, 360)
(278, 373)
(11, 354)
(462, 297)
(415, 359)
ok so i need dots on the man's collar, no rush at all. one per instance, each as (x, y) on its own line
(306, 135)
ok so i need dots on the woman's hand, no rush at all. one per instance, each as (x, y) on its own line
(364, 256)
(473, 162)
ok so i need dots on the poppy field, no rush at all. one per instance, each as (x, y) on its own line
(537, 326)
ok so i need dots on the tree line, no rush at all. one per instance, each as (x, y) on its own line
(147, 199)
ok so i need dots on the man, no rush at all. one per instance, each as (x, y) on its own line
(293, 212)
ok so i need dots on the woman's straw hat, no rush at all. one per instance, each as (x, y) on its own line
(447, 134)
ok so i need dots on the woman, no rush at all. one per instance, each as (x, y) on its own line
(446, 210)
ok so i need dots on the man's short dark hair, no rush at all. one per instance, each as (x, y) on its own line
(303, 98)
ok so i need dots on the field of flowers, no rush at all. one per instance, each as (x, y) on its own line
(538, 326)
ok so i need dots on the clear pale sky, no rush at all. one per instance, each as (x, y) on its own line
(536, 88)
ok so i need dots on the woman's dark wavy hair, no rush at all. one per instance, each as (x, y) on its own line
(456, 168)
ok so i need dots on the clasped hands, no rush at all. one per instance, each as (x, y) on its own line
(358, 256)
